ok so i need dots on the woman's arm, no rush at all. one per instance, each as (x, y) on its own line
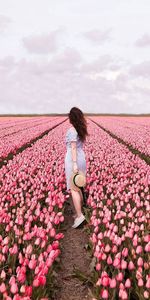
(74, 156)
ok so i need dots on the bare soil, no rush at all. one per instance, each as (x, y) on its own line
(74, 254)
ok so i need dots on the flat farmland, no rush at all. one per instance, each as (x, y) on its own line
(41, 256)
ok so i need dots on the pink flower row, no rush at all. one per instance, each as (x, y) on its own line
(134, 131)
(119, 197)
(8, 127)
(31, 212)
(17, 136)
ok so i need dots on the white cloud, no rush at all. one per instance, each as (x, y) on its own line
(4, 22)
(141, 70)
(42, 43)
(97, 36)
(74, 53)
(144, 41)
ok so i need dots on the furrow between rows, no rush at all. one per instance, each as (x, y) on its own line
(121, 141)
(27, 145)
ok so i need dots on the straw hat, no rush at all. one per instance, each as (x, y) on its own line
(77, 180)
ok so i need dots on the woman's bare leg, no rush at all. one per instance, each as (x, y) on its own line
(76, 197)
(81, 195)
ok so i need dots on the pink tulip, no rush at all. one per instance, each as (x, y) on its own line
(59, 236)
(32, 264)
(37, 241)
(123, 264)
(139, 249)
(22, 289)
(105, 280)
(146, 295)
(107, 248)
(146, 266)
(124, 295)
(116, 262)
(52, 232)
(148, 283)
(14, 249)
(147, 238)
(140, 282)
(113, 283)
(104, 294)
(55, 245)
(98, 266)
(125, 252)
(62, 218)
(2, 287)
(28, 291)
(109, 260)
(3, 274)
(114, 249)
(5, 241)
(119, 276)
(147, 247)
(12, 280)
(100, 236)
(140, 262)
(29, 249)
(128, 283)
(14, 288)
(135, 242)
(36, 282)
(42, 280)
(21, 275)
(104, 256)
(5, 249)
(131, 265)
(98, 283)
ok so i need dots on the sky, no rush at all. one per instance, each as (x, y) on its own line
(56, 54)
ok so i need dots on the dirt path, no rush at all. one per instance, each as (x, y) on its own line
(74, 254)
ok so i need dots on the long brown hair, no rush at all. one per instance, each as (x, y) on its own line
(78, 120)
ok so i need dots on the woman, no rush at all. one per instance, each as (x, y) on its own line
(75, 157)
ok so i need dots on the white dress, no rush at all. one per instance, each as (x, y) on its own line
(72, 135)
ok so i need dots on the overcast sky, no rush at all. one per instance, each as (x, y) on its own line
(55, 54)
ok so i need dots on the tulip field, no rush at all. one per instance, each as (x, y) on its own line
(135, 132)
(33, 196)
(19, 133)
(120, 202)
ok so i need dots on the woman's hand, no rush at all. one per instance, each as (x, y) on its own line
(75, 167)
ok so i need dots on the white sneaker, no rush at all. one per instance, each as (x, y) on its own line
(78, 221)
